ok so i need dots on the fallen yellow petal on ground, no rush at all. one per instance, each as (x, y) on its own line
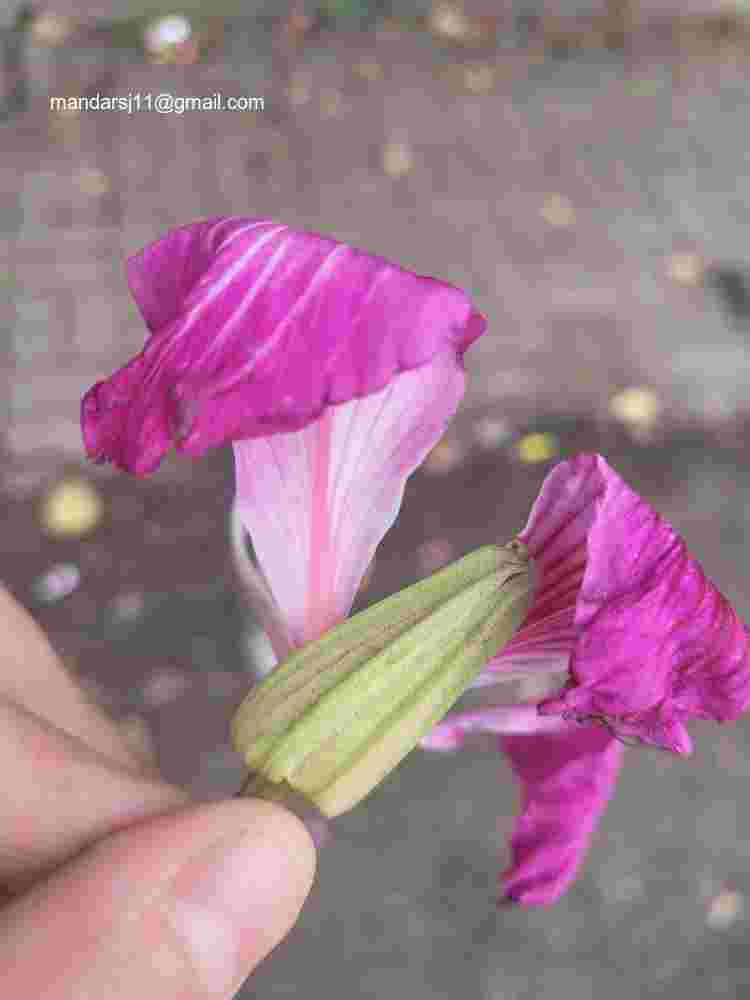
(533, 448)
(71, 509)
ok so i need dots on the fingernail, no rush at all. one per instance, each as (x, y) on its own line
(237, 899)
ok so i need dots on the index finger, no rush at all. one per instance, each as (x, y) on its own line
(32, 674)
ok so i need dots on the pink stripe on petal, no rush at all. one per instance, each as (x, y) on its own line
(317, 502)
(321, 607)
(256, 591)
(543, 647)
(567, 779)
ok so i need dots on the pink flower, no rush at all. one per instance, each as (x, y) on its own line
(332, 373)
(646, 641)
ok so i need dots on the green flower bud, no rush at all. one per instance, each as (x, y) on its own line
(341, 712)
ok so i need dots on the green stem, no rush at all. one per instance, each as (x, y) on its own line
(257, 786)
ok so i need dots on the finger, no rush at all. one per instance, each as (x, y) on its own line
(60, 795)
(32, 675)
(181, 906)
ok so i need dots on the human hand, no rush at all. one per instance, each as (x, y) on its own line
(111, 883)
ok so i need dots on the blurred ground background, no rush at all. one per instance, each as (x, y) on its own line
(581, 168)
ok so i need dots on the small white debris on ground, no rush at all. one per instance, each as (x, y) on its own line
(725, 909)
(167, 32)
(59, 581)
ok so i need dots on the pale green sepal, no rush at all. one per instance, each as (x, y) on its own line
(398, 734)
(342, 711)
(315, 668)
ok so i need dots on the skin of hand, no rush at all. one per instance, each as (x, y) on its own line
(112, 883)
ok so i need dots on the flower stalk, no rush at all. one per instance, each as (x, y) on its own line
(342, 711)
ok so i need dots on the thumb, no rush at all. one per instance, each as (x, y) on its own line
(184, 905)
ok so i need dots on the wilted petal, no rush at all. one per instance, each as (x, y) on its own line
(567, 779)
(557, 534)
(256, 329)
(163, 274)
(453, 731)
(318, 501)
(650, 642)
(540, 647)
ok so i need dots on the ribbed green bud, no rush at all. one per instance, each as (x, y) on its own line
(341, 712)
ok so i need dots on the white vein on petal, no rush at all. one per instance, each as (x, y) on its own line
(238, 314)
(218, 285)
(271, 344)
(195, 310)
(242, 231)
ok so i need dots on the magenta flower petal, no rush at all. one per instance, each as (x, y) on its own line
(452, 733)
(256, 329)
(649, 642)
(567, 779)
(318, 501)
